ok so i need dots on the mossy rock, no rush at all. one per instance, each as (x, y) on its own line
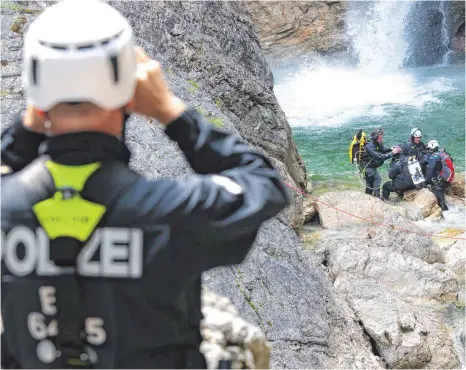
(18, 25)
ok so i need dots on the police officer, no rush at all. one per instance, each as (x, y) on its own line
(400, 179)
(375, 154)
(434, 172)
(414, 147)
(100, 266)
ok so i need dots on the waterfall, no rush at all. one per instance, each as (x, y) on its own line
(389, 39)
(377, 31)
(445, 35)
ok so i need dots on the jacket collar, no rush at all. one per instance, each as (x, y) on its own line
(85, 147)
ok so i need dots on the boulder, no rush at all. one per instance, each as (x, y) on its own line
(351, 208)
(456, 187)
(309, 209)
(425, 200)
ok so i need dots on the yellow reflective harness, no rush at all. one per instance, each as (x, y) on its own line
(69, 221)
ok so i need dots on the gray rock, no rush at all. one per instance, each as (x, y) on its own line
(455, 258)
(407, 336)
(289, 296)
(406, 238)
(352, 208)
(409, 276)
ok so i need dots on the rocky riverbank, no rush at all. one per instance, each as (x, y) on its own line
(405, 287)
(333, 305)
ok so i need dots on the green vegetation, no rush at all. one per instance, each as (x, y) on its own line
(170, 71)
(201, 110)
(216, 121)
(4, 93)
(253, 306)
(18, 8)
(18, 24)
(247, 297)
(194, 86)
(218, 103)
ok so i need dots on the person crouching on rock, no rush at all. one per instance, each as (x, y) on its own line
(400, 179)
(101, 267)
(437, 173)
(375, 154)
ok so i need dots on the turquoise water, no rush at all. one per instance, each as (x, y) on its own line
(327, 106)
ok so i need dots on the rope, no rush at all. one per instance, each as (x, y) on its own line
(393, 227)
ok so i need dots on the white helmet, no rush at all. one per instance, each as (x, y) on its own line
(77, 51)
(415, 132)
(432, 144)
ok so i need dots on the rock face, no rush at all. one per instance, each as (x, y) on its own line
(298, 27)
(457, 9)
(213, 61)
(407, 336)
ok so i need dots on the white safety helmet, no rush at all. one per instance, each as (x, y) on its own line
(79, 51)
(432, 144)
(415, 132)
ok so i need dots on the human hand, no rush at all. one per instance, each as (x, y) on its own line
(396, 150)
(34, 119)
(152, 97)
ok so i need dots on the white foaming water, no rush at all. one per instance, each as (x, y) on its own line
(320, 95)
(329, 96)
(376, 29)
(455, 217)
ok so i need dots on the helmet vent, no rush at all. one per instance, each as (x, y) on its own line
(84, 47)
(34, 68)
(114, 63)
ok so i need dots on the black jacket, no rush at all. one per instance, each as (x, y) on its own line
(400, 175)
(185, 226)
(410, 148)
(375, 154)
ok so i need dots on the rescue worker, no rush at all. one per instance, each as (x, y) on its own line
(436, 173)
(375, 154)
(100, 266)
(414, 147)
(400, 179)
